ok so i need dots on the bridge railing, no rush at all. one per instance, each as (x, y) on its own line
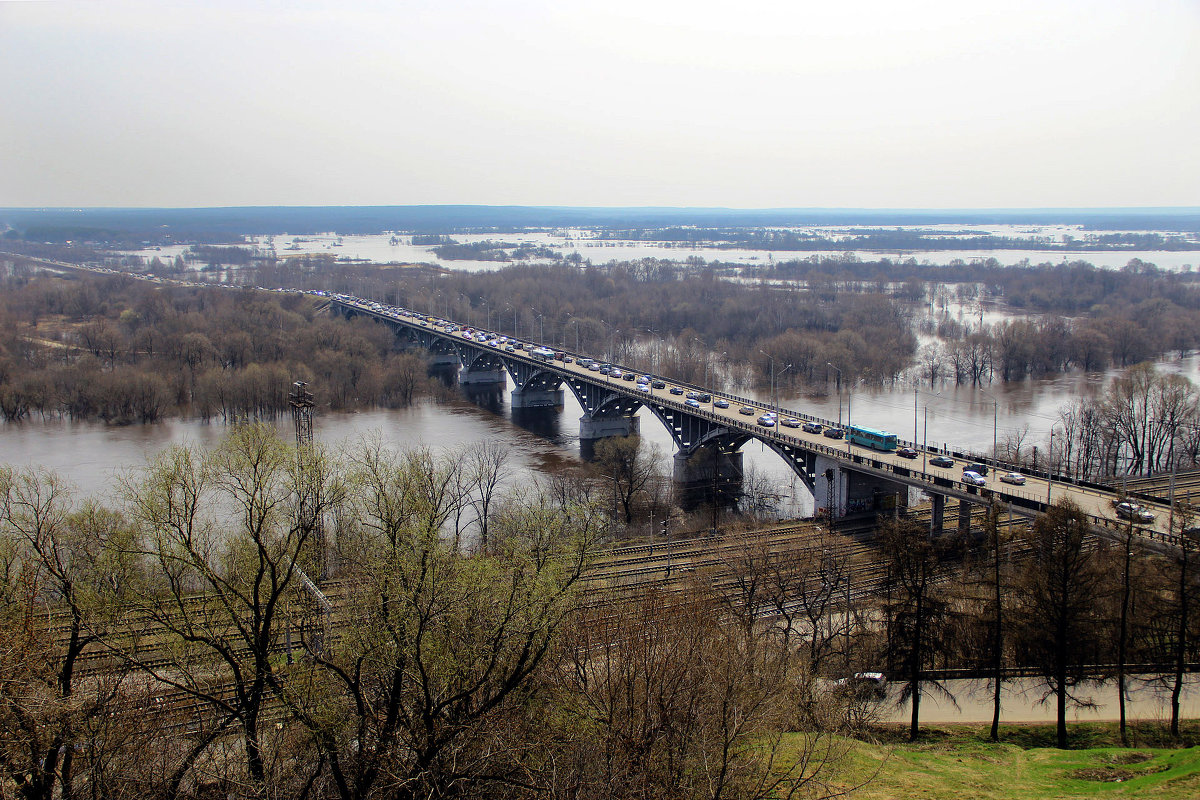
(1018, 497)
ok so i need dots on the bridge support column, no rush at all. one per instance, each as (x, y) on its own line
(591, 428)
(939, 513)
(489, 376)
(830, 487)
(707, 477)
(964, 518)
(537, 398)
(443, 360)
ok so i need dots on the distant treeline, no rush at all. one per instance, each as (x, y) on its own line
(123, 350)
(860, 316)
(880, 239)
(489, 250)
(214, 225)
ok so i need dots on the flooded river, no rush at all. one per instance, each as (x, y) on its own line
(540, 441)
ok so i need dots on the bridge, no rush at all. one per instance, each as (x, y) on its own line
(709, 427)
(708, 435)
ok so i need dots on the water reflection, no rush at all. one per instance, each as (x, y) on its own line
(547, 440)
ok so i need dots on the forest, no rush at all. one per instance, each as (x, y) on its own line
(172, 643)
(124, 350)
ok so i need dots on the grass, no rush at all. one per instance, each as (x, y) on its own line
(959, 762)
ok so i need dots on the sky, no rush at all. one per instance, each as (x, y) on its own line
(757, 104)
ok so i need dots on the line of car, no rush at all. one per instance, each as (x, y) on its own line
(973, 474)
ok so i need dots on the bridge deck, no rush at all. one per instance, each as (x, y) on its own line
(1029, 500)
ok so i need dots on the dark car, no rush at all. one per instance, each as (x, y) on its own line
(980, 468)
(941, 461)
(907, 452)
(676, 390)
(1128, 510)
(832, 433)
(659, 384)
(628, 376)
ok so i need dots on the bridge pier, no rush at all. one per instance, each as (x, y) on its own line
(489, 376)
(964, 518)
(708, 476)
(829, 487)
(592, 428)
(939, 513)
(437, 360)
(537, 398)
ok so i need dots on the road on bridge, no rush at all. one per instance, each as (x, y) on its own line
(743, 414)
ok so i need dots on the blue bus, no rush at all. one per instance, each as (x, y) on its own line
(869, 437)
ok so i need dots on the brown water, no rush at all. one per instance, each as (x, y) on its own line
(89, 454)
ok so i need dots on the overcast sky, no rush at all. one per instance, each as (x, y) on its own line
(756, 104)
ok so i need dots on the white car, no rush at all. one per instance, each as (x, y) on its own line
(973, 479)
(1015, 478)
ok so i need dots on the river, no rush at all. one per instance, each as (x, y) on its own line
(388, 248)
(89, 454)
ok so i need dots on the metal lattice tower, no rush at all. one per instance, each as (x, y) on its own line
(301, 401)
(308, 516)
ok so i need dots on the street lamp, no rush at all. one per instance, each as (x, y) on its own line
(575, 322)
(995, 419)
(774, 396)
(925, 441)
(541, 330)
(839, 390)
(656, 353)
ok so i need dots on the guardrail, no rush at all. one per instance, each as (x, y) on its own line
(1017, 498)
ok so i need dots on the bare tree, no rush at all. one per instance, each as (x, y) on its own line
(1058, 623)
(219, 593)
(917, 611)
(629, 467)
(484, 464)
(669, 697)
(66, 583)
(429, 690)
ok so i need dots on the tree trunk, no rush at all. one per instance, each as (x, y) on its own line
(1124, 633)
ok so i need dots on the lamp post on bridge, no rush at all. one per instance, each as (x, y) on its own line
(656, 354)
(541, 330)
(925, 440)
(703, 349)
(575, 321)
(995, 428)
(774, 396)
(839, 391)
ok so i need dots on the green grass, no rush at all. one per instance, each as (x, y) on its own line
(959, 762)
